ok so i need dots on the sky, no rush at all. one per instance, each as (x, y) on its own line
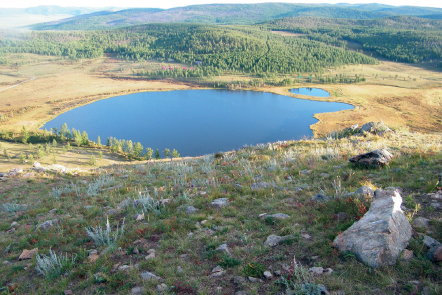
(180, 3)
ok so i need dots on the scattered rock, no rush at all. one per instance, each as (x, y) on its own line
(277, 272)
(190, 210)
(150, 256)
(217, 272)
(381, 235)
(28, 175)
(316, 271)
(268, 275)
(28, 254)
(261, 185)
(147, 276)
(111, 212)
(124, 268)
(435, 205)
(254, 280)
(67, 292)
(179, 269)
(365, 192)
(14, 224)
(161, 288)
(320, 198)
(139, 217)
(324, 175)
(138, 290)
(304, 171)
(375, 158)
(435, 253)
(223, 248)
(430, 242)
(100, 277)
(274, 240)
(239, 281)
(306, 236)
(88, 207)
(47, 224)
(220, 203)
(407, 255)
(135, 251)
(278, 216)
(93, 257)
(217, 269)
(421, 222)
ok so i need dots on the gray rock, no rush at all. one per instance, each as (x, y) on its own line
(261, 185)
(112, 212)
(14, 224)
(316, 271)
(88, 207)
(273, 240)
(238, 280)
(223, 248)
(430, 242)
(436, 206)
(147, 276)
(279, 216)
(435, 253)
(421, 222)
(268, 275)
(375, 158)
(365, 192)
(138, 290)
(47, 224)
(324, 175)
(254, 280)
(217, 269)
(179, 269)
(320, 198)
(304, 171)
(161, 288)
(190, 210)
(220, 203)
(381, 235)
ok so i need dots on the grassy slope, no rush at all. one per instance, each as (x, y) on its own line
(415, 168)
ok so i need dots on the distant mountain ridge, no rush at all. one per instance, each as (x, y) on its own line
(52, 10)
(231, 14)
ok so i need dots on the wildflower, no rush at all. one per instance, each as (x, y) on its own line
(184, 68)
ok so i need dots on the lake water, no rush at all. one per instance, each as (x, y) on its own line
(310, 91)
(197, 122)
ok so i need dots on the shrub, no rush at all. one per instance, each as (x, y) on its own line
(254, 269)
(105, 237)
(53, 266)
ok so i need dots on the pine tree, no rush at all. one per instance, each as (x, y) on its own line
(157, 154)
(138, 149)
(175, 154)
(166, 153)
(149, 153)
(54, 143)
(84, 138)
(99, 141)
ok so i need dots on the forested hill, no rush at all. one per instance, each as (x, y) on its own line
(399, 38)
(230, 14)
(217, 49)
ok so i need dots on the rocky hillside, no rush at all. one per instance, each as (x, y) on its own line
(280, 218)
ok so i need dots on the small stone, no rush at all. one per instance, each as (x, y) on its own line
(436, 206)
(189, 235)
(239, 281)
(161, 288)
(277, 273)
(124, 268)
(88, 207)
(217, 274)
(179, 269)
(328, 271)
(365, 191)
(430, 242)
(135, 251)
(319, 198)
(279, 216)
(306, 236)
(6, 262)
(407, 255)
(149, 276)
(414, 282)
(184, 255)
(316, 271)
(217, 269)
(223, 248)
(268, 275)
(324, 175)
(260, 185)
(254, 280)
(304, 171)
(14, 224)
(139, 217)
(150, 256)
(421, 222)
(28, 254)
(100, 277)
(435, 253)
(47, 224)
(138, 290)
(220, 203)
(190, 210)
(68, 292)
(150, 251)
(111, 212)
(204, 222)
(262, 215)
(93, 257)
(274, 240)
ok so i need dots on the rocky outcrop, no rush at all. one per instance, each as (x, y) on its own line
(381, 235)
(374, 158)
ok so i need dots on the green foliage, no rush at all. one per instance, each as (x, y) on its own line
(229, 262)
(105, 237)
(157, 155)
(254, 269)
(166, 153)
(175, 154)
(149, 153)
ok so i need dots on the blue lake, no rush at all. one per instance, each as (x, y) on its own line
(310, 91)
(197, 122)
